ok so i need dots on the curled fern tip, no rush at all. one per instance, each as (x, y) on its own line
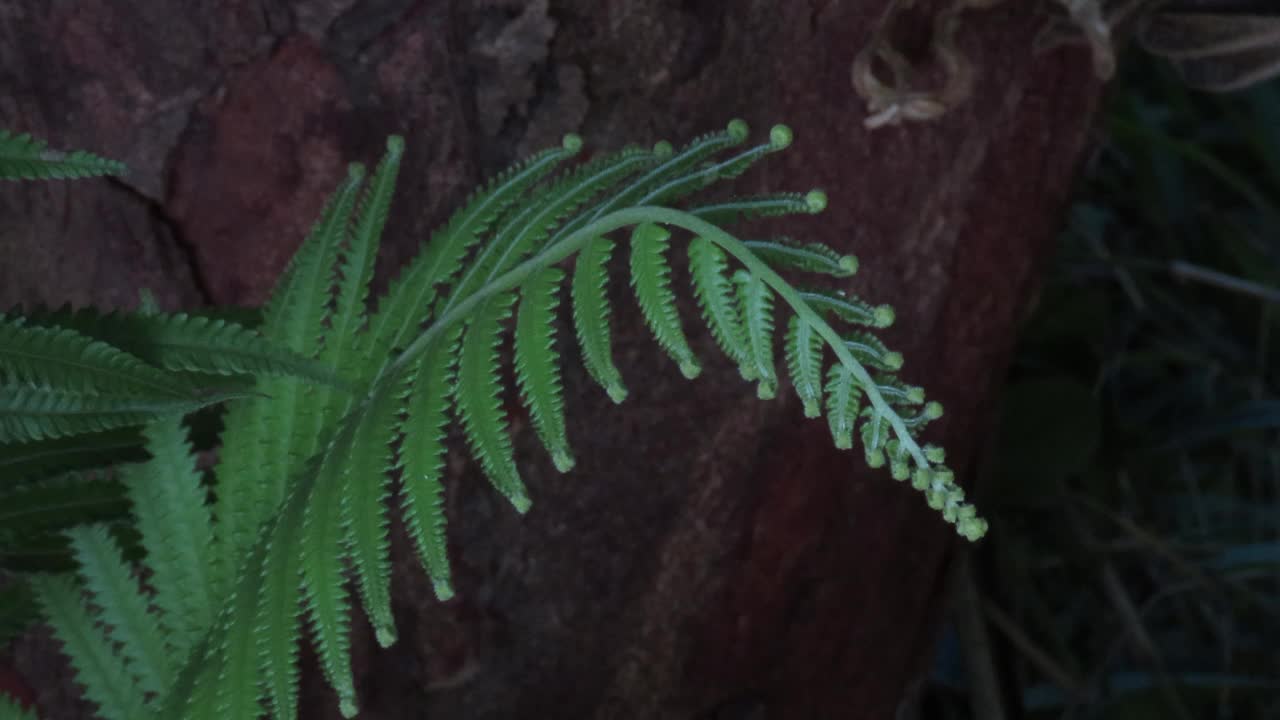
(738, 129)
(572, 142)
(780, 137)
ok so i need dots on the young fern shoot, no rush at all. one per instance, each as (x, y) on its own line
(309, 472)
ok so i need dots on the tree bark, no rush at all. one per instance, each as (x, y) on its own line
(711, 556)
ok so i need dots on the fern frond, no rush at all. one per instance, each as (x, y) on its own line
(23, 157)
(784, 253)
(169, 508)
(108, 683)
(358, 257)
(848, 309)
(779, 139)
(842, 405)
(804, 364)
(422, 459)
(124, 608)
(477, 392)
(719, 308)
(761, 206)
(278, 617)
(55, 504)
(591, 316)
(46, 458)
(537, 369)
(62, 359)
(869, 350)
(410, 297)
(324, 550)
(650, 277)
(179, 341)
(757, 313)
(654, 186)
(266, 439)
(365, 489)
(29, 414)
(532, 223)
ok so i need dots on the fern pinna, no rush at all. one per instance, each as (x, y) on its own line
(309, 470)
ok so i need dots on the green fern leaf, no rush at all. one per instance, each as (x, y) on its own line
(58, 503)
(407, 302)
(195, 343)
(28, 414)
(591, 316)
(477, 392)
(46, 458)
(278, 618)
(422, 459)
(108, 683)
(169, 507)
(537, 367)
(533, 221)
(850, 310)
(654, 186)
(804, 364)
(870, 351)
(719, 308)
(757, 313)
(761, 206)
(842, 405)
(707, 173)
(62, 359)
(23, 157)
(784, 253)
(268, 438)
(124, 608)
(366, 487)
(324, 548)
(651, 279)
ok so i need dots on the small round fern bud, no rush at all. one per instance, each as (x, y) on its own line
(815, 201)
(780, 137)
(933, 410)
(899, 469)
(561, 458)
(395, 144)
(766, 391)
(884, 316)
(572, 142)
(521, 502)
(347, 706)
(662, 149)
(935, 454)
(935, 499)
(738, 129)
(848, 265)
(921, 478)
(617, 393)
(875, 458)
(442, 589)
(386, 636)
(972, 529)
(892, 360)
(915, 395)
(690, 368)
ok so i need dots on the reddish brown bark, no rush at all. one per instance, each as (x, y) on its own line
(711, 556)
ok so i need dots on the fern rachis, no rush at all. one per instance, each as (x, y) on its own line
(306, 471)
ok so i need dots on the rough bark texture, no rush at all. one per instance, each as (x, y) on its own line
(711, 556)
